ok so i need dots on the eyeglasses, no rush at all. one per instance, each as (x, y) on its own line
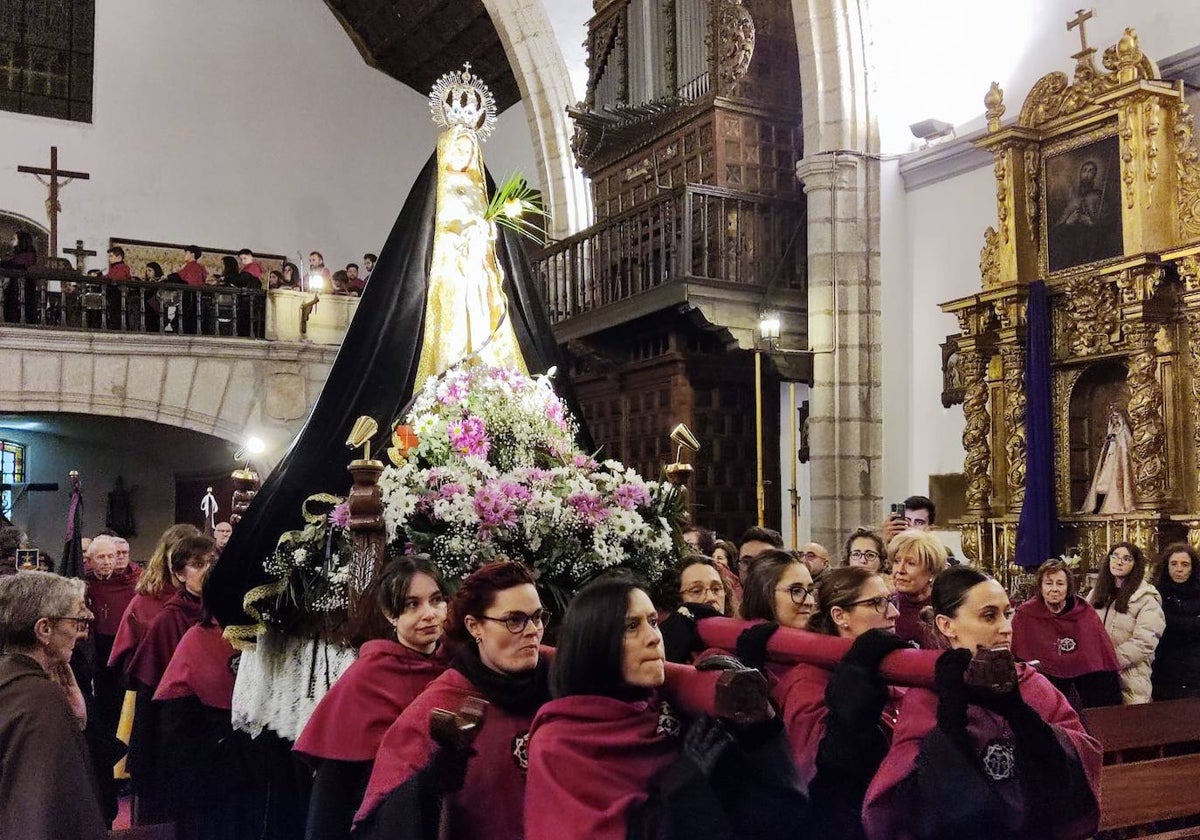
(879, 603)
(699, 591)
(81, 622)
(518, 621)
(1124, 558)
(871, 556)
(798, 592)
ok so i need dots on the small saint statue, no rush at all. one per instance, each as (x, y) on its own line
(466, 312)
(1111, 490)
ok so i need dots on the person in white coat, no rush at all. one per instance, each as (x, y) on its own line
(1131, 609)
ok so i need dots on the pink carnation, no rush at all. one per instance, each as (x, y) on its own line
(340, 515)
(469, 437)
(494, 507)
(589, 506)
(631, 496)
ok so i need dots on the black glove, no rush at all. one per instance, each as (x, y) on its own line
(680, 637)
(448, 768)
(870, 648)
(952, 690)
(706, 741)
(752, 644)
(856, 693)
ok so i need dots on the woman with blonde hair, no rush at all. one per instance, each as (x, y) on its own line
(917, 557)
(155, 587)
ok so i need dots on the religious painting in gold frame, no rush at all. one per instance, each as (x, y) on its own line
(1081, 218)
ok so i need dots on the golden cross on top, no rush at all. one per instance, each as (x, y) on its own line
(1081, 17)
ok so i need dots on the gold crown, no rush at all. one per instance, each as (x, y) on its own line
(461, 98)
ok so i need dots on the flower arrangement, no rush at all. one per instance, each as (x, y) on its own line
(311, 568)
(495, 472)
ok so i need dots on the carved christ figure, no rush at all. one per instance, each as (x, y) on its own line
(1111, 490)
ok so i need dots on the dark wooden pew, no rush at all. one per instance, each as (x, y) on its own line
(1150, 782)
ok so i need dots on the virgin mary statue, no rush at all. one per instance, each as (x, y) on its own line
(449, 287)
(1111, 490)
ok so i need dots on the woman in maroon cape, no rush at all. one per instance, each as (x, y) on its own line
(208, 777)
(606, 760)
(191, 559)
(498, 619)
(156, 586)
(386, 678)
(1064, 635)
(840, 723)
(995, 751)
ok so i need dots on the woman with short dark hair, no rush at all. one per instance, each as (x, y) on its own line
(606, 760)
(1131, 609)
(994, 750)
(1063, 634)
(497, 618)
(864, 547)
(387, 676)
(1177, 660)
(778, 588)
(45, 771)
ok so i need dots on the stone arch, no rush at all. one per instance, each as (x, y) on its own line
(541, 72)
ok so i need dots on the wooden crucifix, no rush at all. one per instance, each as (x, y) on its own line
(80, 254)
(53, 208)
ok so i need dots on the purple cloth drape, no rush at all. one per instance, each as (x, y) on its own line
(72, 557)
(1037, 529)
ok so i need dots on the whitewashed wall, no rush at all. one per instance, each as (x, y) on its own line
(232, 123)
(931, 235)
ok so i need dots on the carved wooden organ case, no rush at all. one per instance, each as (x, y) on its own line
(1097, 193)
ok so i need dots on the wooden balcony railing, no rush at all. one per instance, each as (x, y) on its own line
(65, 300)
(690, 234)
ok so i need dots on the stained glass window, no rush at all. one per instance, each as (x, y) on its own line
(12, 471)
(46, 57)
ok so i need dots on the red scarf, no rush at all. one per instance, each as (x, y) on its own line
(202, 667)
(382, 682)
(1068, 644)
(590, 762)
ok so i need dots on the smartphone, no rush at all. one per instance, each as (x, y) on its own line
(898, 511)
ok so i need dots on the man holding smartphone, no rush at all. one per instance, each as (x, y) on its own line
(915, 513)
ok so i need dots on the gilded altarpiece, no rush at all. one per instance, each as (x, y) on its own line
(1097, 193)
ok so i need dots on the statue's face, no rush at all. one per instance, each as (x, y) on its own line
(460, 153)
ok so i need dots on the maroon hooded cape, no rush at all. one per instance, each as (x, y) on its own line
(201, 668)
(887, 815)
(154, 653)
(799, 695)
(489, 806)
(1067, 645)
(382, 682)
(135, 621)
(108, 597)
(591, 760)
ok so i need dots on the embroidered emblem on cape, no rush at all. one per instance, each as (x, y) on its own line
(999, 762)
(668, 722)
(520, 750)
(1066, 644)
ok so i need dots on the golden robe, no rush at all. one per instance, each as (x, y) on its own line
(466, 312)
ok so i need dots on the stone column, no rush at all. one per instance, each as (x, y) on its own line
(1146, 417)
(845, 421)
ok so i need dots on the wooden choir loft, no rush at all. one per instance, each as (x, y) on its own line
(689, 133)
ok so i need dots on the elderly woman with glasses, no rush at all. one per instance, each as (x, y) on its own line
(840, 723)
(497, 618)
(45, 772)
